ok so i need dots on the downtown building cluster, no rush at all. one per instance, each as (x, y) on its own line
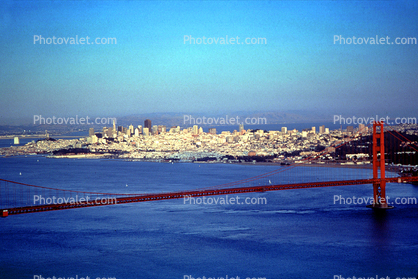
(157, 143)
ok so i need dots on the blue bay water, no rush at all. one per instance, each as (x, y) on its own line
(297, 234)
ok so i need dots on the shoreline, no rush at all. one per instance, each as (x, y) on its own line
(165, 161)
(40, 137)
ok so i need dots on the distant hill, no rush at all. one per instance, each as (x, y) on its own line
(174, 119)
(169, 119)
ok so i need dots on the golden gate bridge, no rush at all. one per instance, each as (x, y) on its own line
(18, 198)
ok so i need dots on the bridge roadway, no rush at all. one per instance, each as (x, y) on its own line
(200, 193)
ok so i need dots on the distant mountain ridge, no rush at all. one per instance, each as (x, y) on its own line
(169, 119)
(177, 119)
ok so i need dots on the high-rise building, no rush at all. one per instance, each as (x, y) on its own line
(110, 132)
(212, 131)
(155, 130)
(162, 129)
(147, 124)
(284, 130)
(131, 129)
(140, 129)
(241, 127)
(91, 132)
(362, 128)
(313, 130)
(322, 129)
(145, 131)
(94, 139)
(350, 129)
(195, 130)
(114, 125)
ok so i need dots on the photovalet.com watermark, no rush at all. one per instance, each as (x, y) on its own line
(40, 120)
(70, 277)
(221, 277)
(40, 40)
(227, 40)
(223, 200)
(40, 200)
(355, 120)
(227, 120)
(376, 40)
(339, 199)
(370, 277)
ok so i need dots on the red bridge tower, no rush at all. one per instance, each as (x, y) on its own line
(379, 184)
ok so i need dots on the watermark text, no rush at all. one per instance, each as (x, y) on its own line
(339, 199)
(354, 120)
(70, 277)
(339, 39)
(39, 119)
(40, 200)
(227, 120)
(39, 39)
(189, 39)
(224, 200)
(370, 277)
(220, 277)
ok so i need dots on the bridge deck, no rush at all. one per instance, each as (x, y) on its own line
(197, 193)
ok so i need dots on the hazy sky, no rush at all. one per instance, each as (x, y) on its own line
(150, 69)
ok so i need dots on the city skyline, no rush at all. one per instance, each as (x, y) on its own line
(69, 125)
(149, 68)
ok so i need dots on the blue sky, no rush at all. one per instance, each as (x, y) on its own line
(150, 69)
